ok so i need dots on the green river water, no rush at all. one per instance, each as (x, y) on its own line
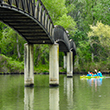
(72, 93)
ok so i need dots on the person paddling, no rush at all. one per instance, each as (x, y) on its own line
(89, 74)
(95, 74)
(99, 74)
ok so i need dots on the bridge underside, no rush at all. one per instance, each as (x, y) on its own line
(62, 47)
(38, 28)
(25, 26)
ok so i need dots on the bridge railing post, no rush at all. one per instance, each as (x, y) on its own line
(10, 2)
(37, 10)
(40, 14)
(43, 18)
(33, 7)
(28, 65)
(54, 65)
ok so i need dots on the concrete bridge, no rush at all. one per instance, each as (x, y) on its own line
(32, 21)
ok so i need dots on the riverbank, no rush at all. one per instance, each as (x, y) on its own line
(9, 67)
(47, 73)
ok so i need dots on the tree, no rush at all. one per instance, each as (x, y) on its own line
(58, 12)
(99, 38)
(11, 44)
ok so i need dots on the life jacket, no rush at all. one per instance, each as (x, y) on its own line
(99, 74)
(91, 73)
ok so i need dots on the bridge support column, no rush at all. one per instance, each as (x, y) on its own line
(65, 62)
(28, 65)
(54, 65)
(69, 64)
(71, 57)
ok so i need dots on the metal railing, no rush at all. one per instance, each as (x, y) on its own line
(35, 9)
(60, 34)
(72, 45)
(38, 11)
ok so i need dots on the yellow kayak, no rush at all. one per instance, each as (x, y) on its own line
(89, 77)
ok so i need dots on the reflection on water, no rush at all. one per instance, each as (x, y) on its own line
(54, 98)
(72, 94)
(95, 81)
(68, 90)
(28, 98)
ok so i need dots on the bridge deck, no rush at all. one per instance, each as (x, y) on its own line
(33, 22)
(25, 26)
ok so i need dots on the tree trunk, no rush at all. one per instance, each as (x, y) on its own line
(19, 55)
(92, 57)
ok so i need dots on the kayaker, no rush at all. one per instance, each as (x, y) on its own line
(95, 74)
(99, 74)
(89, 74)
(95, 71)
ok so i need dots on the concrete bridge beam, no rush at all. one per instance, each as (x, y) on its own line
(28, 65)
(54, 65)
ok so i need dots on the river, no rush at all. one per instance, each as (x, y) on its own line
(72, 93)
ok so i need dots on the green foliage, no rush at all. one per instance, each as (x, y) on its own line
(67, 22)
(102, 32)
(56, 8)
(80, 18)
(41, 68)
(8, 44)
(92, 49)
(41, 54)
(9, 65)
(58, 12)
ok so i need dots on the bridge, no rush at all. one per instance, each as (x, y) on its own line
(32, 21)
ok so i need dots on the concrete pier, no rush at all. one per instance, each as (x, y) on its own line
(65, 62)
(69, 64)
(28, 65)
(54, 65)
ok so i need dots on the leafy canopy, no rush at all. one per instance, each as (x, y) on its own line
(102, 32)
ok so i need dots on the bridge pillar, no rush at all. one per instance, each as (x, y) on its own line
(54, 65)
(65, 62)
(28, 65)
(69, 64)
(71, 61)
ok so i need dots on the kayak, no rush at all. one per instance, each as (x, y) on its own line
(89, 77)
